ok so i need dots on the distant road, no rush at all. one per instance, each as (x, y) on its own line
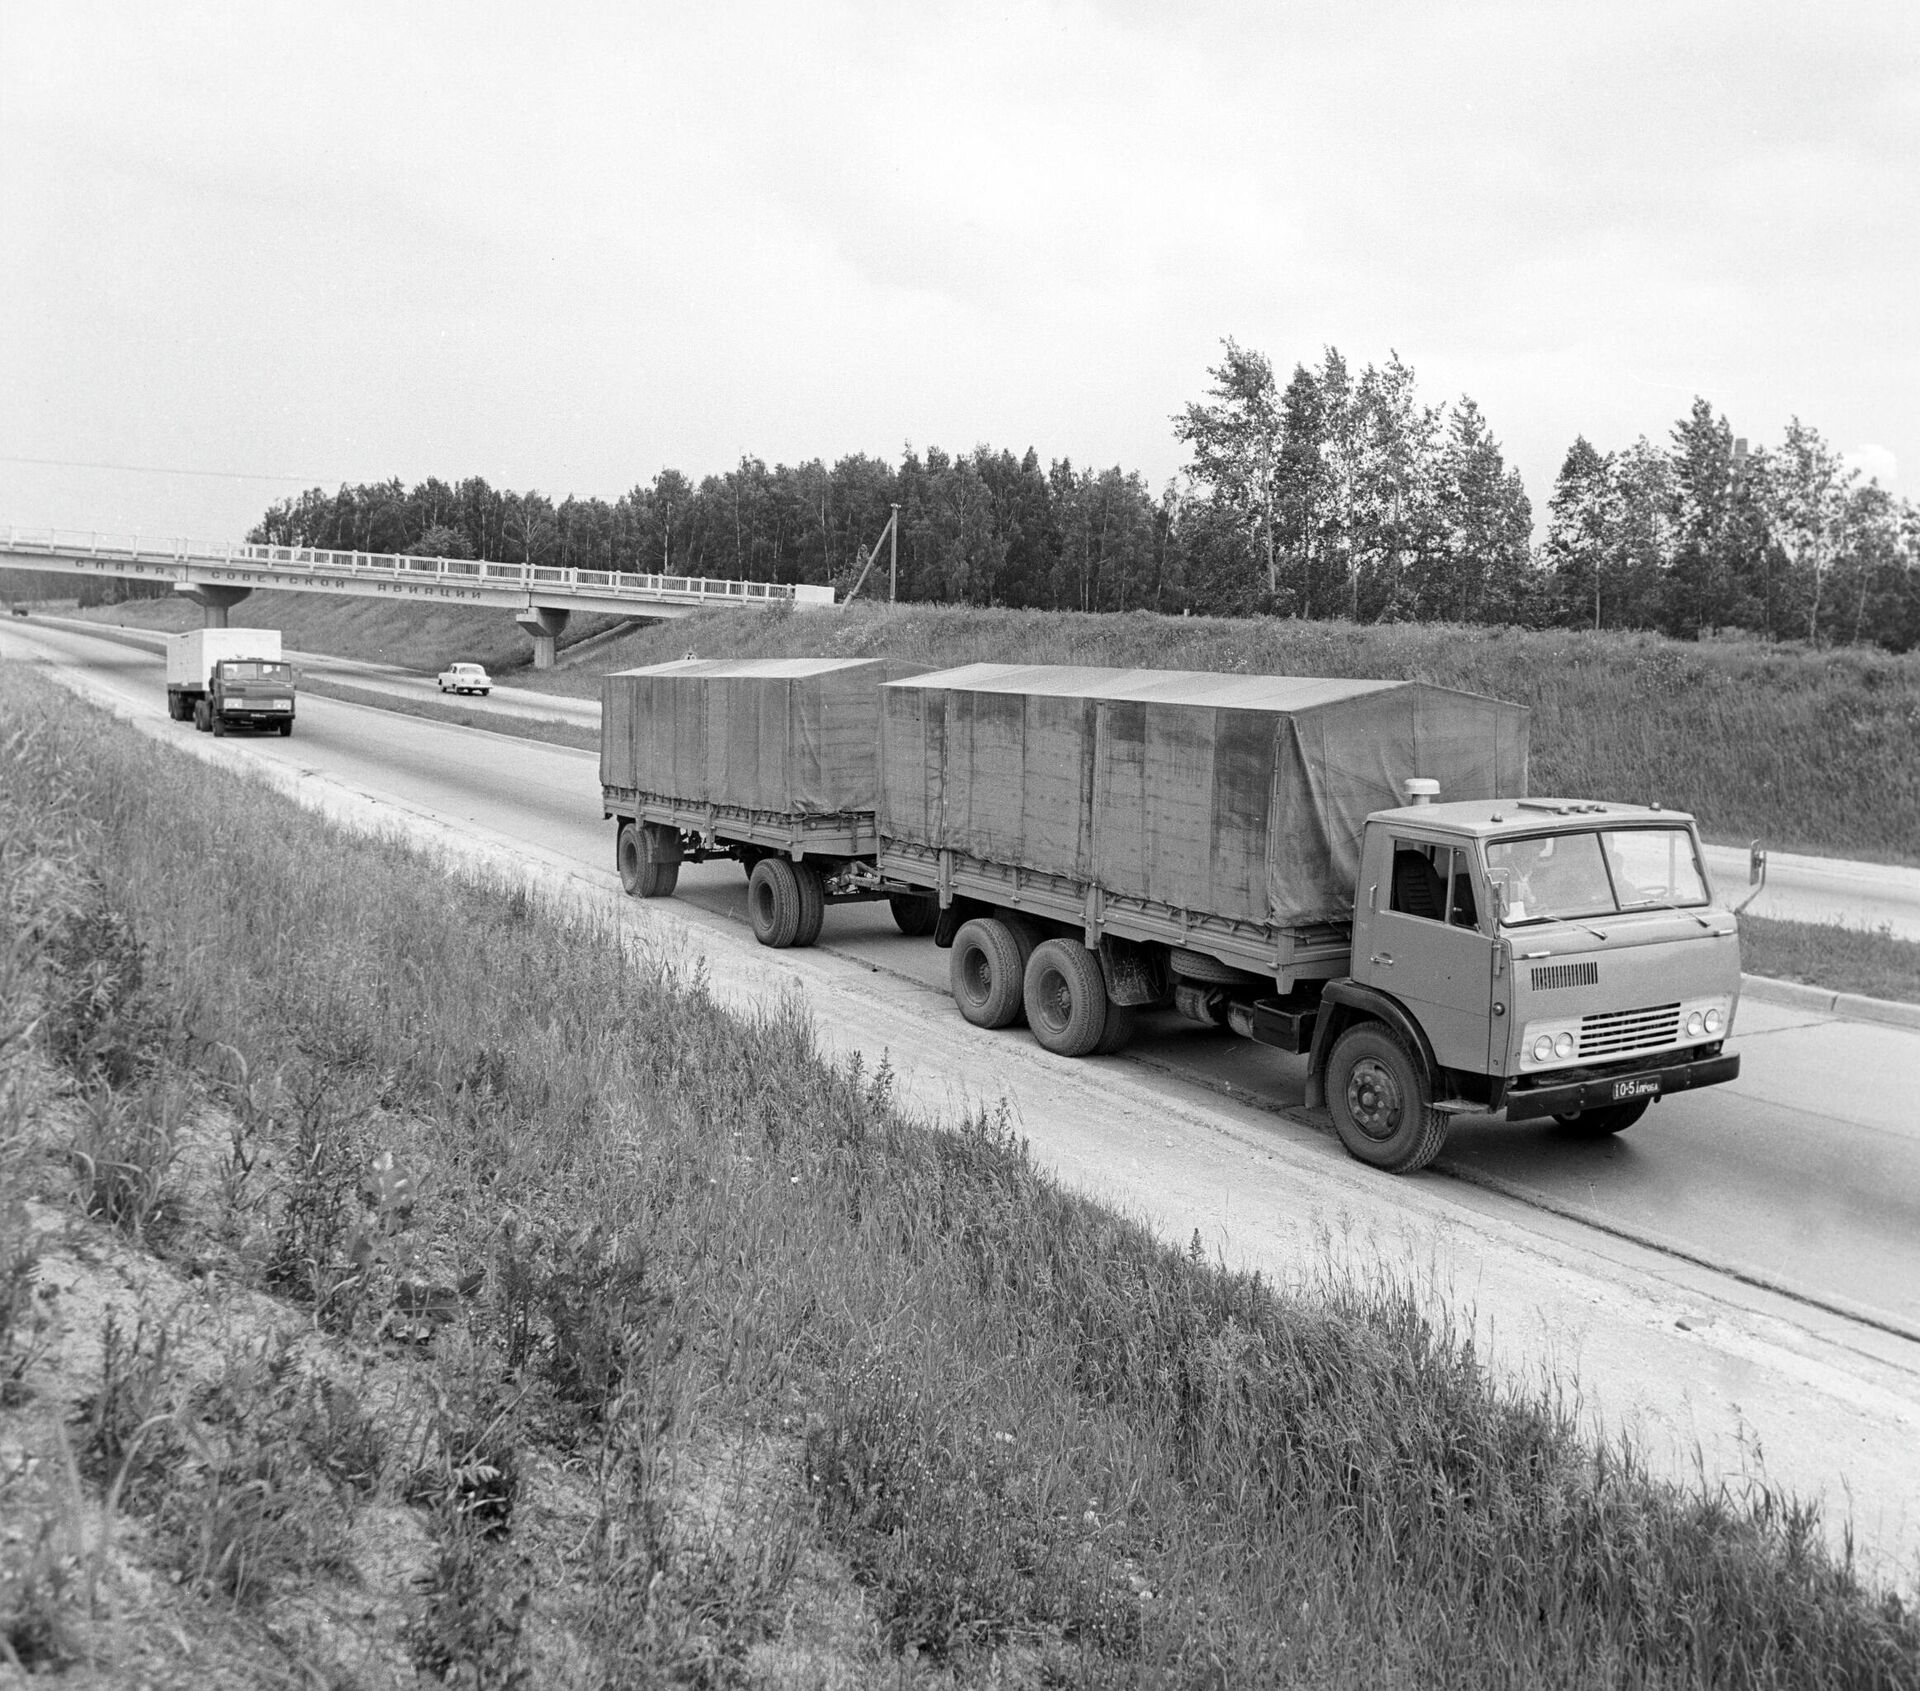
(1799, 889)
(1825, 889)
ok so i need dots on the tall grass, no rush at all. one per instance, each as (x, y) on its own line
(1052, 1448)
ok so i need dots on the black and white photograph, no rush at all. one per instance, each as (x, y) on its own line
(1070, 846)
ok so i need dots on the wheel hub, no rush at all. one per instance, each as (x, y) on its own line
(1373, 1099)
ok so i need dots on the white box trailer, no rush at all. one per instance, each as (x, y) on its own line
(222, 678)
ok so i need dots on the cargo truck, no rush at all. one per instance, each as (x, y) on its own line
(1349, 871)
(225, 678)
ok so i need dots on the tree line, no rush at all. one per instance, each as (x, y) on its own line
(1339, 494)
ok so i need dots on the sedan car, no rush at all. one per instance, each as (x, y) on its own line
(465, 678)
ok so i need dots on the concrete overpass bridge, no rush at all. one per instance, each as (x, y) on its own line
(540, 596)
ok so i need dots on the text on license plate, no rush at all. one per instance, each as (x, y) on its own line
(1645, 1086)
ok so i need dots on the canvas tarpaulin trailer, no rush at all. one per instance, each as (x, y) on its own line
(792, 737)
(1241, 796)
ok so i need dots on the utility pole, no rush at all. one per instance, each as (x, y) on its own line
(893, 567)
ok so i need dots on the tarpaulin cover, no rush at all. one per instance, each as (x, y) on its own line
(1234, 795)
(791, 736)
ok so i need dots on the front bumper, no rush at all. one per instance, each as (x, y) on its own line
(1592, 1092)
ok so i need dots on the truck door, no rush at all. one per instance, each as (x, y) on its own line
(1427, 949)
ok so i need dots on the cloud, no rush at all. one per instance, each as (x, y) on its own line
(1876, 463)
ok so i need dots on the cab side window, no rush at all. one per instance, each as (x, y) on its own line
(1422, 874)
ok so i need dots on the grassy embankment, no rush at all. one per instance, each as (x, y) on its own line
(466, 1293)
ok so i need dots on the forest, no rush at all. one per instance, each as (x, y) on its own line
(1339, 494)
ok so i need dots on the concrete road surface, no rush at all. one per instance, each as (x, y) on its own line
(1740, 1273)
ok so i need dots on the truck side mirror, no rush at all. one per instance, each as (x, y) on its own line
(1756, 874)
(1500, 886)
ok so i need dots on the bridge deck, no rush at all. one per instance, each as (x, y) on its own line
(312, 569)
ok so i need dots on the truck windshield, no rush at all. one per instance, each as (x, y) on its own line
(245, 670)
(1556, 877)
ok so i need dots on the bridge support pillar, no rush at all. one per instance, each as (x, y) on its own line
(544, 623)
(214, 598)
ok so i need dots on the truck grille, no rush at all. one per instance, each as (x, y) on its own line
(1550, 975)
(1616, 1033)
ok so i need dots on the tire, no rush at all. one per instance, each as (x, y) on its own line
(202, 717)
(1119, 1029)
(219, 725)
(286, 730)
(813, 903)
(773, 902)
(1608, 1118)
(641, 877)
(1382, 1108)
(1066, 998)
(484, 691)
(915, 913)
(1210, 971)
(987, 974)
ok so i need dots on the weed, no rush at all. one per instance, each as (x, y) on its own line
(123, 1153)
(39, 1594)
(318, 1201)
(93, 1024)
(23, 1318)
(242, 1521)
(469, 1469)
(128, 1427)
(475, 1606)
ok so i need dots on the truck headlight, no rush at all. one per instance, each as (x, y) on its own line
(1563, 1045)
(1713, 1022)
(1696, 1025)
(1543, 1048)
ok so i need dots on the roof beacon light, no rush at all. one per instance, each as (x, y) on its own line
(1420, 790)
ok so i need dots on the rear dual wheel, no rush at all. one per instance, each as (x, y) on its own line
(640, 875)
(786, 903)
(1065, 994)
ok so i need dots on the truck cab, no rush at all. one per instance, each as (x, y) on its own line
(1547, 957)
(255, 693)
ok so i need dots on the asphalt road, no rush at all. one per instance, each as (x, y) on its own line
(1803, 1175)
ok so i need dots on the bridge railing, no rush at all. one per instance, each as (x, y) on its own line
(296, 561)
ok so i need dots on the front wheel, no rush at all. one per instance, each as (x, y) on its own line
(639, 874)
(1066, 998)
(202, 717)
(773, 903)
(1381, 1104)
(219, 725)
(1608, 1118)
(286, 730)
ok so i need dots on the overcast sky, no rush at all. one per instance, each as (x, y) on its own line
(564, 247)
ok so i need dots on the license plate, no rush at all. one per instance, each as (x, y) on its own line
(1646, 1086)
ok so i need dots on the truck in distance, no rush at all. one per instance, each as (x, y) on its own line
(1264, 854)
(225, 678)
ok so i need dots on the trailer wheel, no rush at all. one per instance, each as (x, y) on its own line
(773, 902)
(988, 973)
(811, 886)
(641, 877)
(1608, 1118)
(914, 913)
(1066, 997)
(1382, 1106)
